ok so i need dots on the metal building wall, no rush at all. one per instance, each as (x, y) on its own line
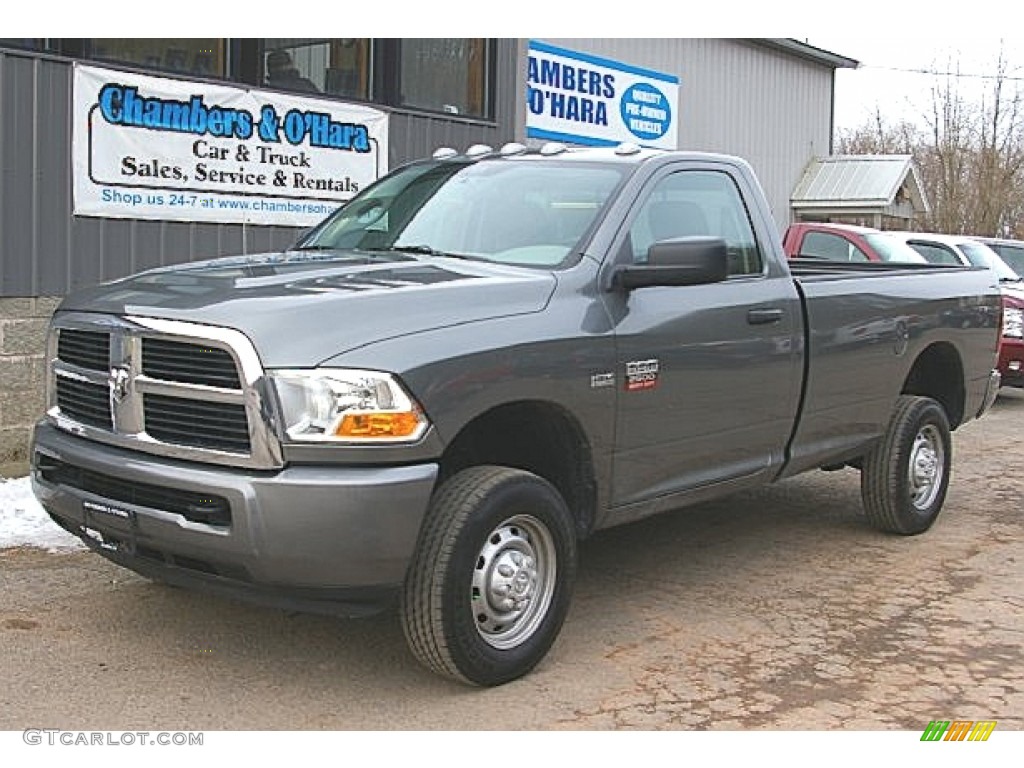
(46, 251)
(738, 97)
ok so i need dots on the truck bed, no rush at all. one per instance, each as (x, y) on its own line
(862, 335)
(812, 269)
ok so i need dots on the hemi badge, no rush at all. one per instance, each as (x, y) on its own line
(602, 380)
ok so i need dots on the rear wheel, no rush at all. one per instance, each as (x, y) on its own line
(905, 478)
(490, 584)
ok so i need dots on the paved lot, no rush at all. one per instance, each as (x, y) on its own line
(775, 610)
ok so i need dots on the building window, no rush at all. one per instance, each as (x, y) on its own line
(203, 57)
(452, 76)
(31, 43)
(338, 66)
(445, 74)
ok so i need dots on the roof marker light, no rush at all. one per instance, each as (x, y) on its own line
(443, 153)
(479, 150)
(553, 148)
(512, 148)
(627, 148)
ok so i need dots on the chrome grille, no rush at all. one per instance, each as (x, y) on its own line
(189, 363)
(86, 349)
(167, 387)
(220, 426)
(85, 401)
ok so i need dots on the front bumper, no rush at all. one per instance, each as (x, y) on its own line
(327, 539)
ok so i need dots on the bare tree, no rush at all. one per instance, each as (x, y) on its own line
(877, 137)
(945, 163)
(970, 152)
(1000, 159)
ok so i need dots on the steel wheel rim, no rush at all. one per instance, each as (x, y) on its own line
(926, 467)
(513, 581)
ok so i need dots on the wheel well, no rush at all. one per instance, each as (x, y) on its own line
(538, 437)
(939, 374)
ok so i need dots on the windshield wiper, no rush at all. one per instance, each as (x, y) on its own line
(315, 247)
(425, 250)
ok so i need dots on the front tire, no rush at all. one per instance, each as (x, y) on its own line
(491, 580)
(904, 479)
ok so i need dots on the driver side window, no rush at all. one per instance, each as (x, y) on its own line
(694, 203)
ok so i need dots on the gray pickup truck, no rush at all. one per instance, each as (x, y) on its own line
(477, 362)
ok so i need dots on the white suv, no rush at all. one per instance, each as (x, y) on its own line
(956, 249)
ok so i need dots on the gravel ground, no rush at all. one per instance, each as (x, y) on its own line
(775, 610)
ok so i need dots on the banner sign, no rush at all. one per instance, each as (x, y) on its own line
(585, 99)
(154, 148)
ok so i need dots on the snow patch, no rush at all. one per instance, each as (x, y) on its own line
(24, 523)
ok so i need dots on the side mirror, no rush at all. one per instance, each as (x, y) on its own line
(679, 261)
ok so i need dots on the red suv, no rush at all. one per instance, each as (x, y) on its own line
(845, 242)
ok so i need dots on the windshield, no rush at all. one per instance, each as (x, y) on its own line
(527, 212)
(982, 256)
(890, 249)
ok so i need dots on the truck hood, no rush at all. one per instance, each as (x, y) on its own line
(299, 309)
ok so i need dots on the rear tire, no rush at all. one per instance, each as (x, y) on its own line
(491, 580)
(904, 479)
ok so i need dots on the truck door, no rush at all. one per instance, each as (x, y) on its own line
(708, 375)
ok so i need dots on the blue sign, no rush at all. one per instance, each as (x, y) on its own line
(586, 99)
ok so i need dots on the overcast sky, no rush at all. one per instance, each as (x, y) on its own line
(895, 78)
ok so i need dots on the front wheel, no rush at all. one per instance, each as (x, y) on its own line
(490, 584)
(904, 479)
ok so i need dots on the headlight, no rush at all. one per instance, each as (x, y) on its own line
(1013, 322)
(341, 405)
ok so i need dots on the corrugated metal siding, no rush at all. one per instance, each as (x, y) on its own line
(737, 97)
(414, 136)
(46, 251)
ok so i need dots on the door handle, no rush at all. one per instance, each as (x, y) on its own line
(764, 316)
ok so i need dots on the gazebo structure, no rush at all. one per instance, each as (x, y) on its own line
(881, 191)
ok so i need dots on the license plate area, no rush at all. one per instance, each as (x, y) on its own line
(110, 526)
